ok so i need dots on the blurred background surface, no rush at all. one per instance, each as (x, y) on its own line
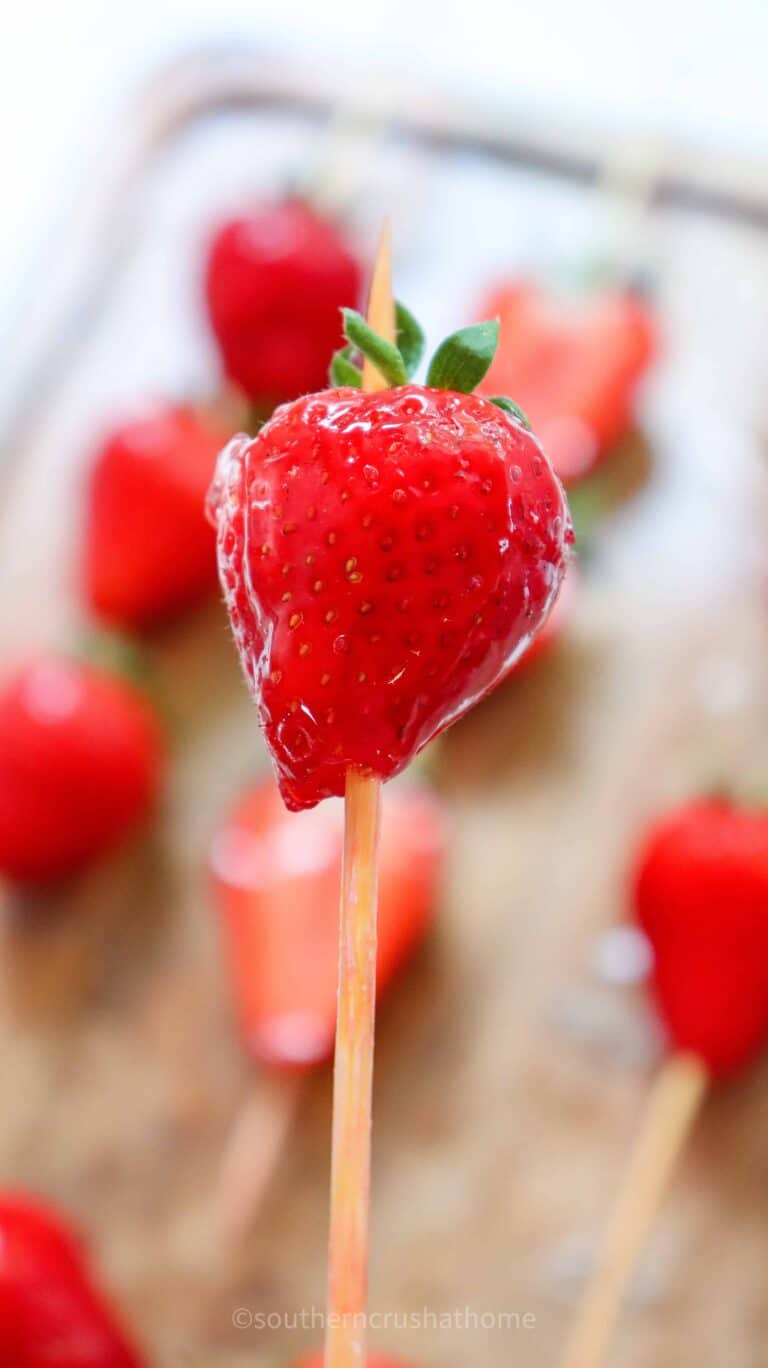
(690, 72)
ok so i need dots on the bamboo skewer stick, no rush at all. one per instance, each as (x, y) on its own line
(353, 1075)
(251, 1155)
(345, 1340)
(675, 1100)
(381, 308)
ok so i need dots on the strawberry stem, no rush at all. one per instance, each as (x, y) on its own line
(410, 338)
(343, 371)
(382, 354)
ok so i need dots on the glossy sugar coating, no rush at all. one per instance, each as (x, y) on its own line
(384, 558)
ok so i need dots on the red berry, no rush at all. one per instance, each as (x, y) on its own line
(275, 283)
(276, 879)
(148, 550)
(51, 1313)
(573, 368)
(385, 558)
(80, 760)
(701, 895)
(556, 624)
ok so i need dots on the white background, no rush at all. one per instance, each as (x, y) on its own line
(694, 68)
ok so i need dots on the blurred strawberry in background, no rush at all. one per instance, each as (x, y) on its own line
(275, 282)
(149, 552)
(51, 1313)
(573, 366)
(80, 764)
(701, 897)
(276, 879)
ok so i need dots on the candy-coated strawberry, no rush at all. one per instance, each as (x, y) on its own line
(275, 282)
(701, 896)
(148, 552)
(385, 559)
(276, 882)
(554, 627)
(80, 761)
(574, 367)
(51, 1313)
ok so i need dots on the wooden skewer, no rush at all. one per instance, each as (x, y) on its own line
(381, 308)
(675, 1100)
(345, 1338)
(260, 1129)
(251, 1155)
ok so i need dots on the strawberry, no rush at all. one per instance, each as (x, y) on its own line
(80, 760)
(701, 896)
(555, 625)
(274, 283)
(51, 1313)
(276, 882)
(148, 551)
(385, 559)
(574, 368)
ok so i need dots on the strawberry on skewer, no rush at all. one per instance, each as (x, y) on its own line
(81, 756)
(276, 883)
(700, 892)
(148, 551)
(52, 1315)
(385, 557)
(574, 367)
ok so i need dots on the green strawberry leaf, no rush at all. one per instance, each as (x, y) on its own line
(509, 406)
(343, 371)
(410, 338)
(462, 360)
(384, 355)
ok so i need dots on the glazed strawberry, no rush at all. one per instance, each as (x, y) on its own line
(701, 895)
(80, 760)
(275, 282)
(51, 1313)
(148, 551)
(385, 558)
(555, 625)
(574, 367)
(276, 881)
